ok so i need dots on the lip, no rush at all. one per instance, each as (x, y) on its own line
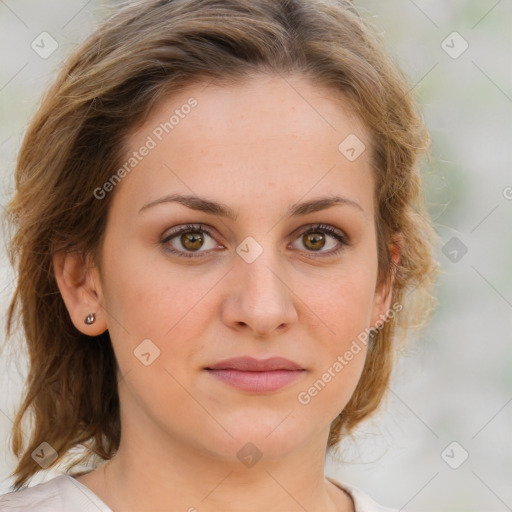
(256, 375)
(251, 364)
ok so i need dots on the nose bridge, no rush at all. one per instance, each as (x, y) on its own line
(261, 297)
(259, 267)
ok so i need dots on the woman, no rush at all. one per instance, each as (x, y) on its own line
(218, 228)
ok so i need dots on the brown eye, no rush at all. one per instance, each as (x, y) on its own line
(192, 241)
(314, 241)
(187, 240)
(322, 236)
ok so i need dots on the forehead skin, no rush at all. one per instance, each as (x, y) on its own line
(258, 137)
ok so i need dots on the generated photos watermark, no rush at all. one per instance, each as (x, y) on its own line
(150, 143)
(304, 397)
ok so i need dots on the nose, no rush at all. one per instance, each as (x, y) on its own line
(260, 300)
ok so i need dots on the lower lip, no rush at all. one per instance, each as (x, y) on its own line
(257, 382)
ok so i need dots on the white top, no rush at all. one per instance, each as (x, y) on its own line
(64, 493)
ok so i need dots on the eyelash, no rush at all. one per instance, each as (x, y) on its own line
(323, 228)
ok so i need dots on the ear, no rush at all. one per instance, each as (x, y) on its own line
(80, 286)
(384, 292)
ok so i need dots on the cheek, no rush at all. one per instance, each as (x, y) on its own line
(343, 301)
(148, 302)
(341, 353)
(331, 385)
(147, 294)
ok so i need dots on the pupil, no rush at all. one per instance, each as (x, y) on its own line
(190, 238)
(314, 238)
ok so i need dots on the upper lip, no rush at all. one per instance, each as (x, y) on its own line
(250, 364)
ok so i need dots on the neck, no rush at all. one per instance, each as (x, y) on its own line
(191, 480)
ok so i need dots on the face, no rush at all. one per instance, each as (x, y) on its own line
(243, 267)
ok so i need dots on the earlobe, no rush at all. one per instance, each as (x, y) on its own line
(80, 287)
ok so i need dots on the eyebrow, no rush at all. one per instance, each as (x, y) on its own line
(221, 210)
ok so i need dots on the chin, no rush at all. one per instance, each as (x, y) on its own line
(274, 439)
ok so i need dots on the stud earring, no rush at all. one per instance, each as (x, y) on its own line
(89, 319)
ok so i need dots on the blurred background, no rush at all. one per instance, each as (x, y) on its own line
(442, 441)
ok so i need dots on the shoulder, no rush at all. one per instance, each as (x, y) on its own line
(60, 494)
(362, 501)
(42, 497)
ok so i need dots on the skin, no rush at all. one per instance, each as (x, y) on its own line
(258, 147)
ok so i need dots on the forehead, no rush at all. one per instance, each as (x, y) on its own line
(292, 102)
(267, 136)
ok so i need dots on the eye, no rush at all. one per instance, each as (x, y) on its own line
(191, 238)
(316, 238)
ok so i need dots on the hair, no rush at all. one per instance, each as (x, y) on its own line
(76, 141)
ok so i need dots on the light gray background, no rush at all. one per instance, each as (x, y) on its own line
(455, 382)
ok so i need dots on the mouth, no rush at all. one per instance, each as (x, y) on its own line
(257, 376)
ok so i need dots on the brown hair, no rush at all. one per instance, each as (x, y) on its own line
(76, 141)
